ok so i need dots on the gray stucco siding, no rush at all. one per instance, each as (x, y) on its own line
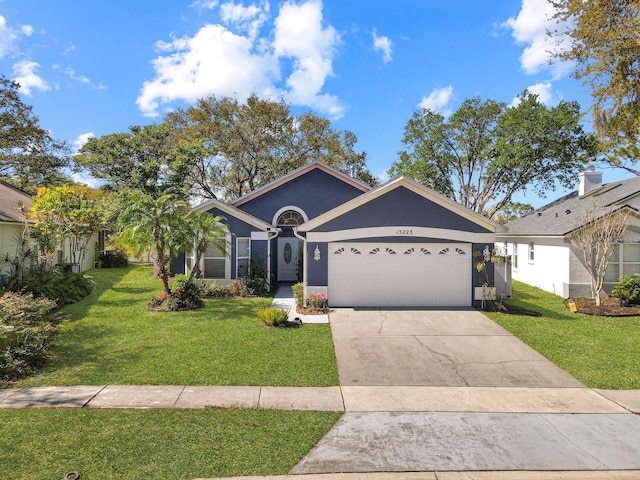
(401, 207)
(315, 192)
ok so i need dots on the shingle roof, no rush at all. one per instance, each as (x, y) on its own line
(565, 214)
(10, 197)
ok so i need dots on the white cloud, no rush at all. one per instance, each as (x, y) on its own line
(27, 30)
(24, 73)
(80, 140)
(246, 19)
(204, 4)
(7, 37)
(219, 60)
(384, 45)
(530, 28)
(80, 78)
(438, 101)
(545, 94)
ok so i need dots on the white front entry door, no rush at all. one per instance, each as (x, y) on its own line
(288, 256)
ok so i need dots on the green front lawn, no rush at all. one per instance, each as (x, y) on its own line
(601, 352)
(155, 444)
(113, 339)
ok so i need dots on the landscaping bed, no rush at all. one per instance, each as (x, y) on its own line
(609, 307)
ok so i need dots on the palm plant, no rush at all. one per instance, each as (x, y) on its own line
(205, 229)
(158, 225)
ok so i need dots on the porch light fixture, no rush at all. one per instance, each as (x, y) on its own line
(486, 253)
(316, 254)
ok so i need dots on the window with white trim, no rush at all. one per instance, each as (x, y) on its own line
(290, 218)
(243, 257)
(530, 252)
(214, 263)
(624, 261)
(514, 256)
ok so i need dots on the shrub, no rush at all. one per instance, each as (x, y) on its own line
(628, 287)
(298, 294)
(113, 259)
(256, 281)
(56, 284)
(238, 288)
(185, 295)
(317, 300)
(212, 290)
(27, 329)
(273, 317)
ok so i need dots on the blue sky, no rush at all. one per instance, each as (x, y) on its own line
(95, 68)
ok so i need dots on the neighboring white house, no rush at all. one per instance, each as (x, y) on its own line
(11, 217)
(12, 224)
(539, 245)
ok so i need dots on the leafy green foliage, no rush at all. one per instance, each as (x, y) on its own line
(146, 159)
(185, 295)
(298, 293)
(68, 213)
(627, 288)
(27, 328)
(273, 317)
(487, 151)
(257, 282)
(604, 53)
(158, 225)
(113, 259)
(239, 147)
(61, 286)
(29, 156)
(213, 290)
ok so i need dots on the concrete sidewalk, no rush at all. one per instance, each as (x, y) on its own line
(284, 299)
(333, 399)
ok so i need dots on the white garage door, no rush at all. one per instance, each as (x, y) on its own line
(399, 274)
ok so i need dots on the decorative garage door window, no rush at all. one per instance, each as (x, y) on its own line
(382, 250)
(290, 218)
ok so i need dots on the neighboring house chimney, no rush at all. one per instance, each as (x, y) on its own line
(589, 180)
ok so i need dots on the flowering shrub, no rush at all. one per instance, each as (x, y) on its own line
(317, 300)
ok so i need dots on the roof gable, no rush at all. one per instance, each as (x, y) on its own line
(406, 188)
(564, 215)
(234, 212)
(297, 173)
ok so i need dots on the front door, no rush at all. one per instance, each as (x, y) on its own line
(288, 257)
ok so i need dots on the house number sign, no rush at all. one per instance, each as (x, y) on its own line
(404, 231)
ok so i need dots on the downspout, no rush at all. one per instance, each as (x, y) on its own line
(269, 238)
(304, 259)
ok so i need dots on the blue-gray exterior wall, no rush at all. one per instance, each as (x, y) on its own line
(315, 192)
(401, 206)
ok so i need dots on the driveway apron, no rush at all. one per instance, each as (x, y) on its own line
(452, 354)
(449, 348)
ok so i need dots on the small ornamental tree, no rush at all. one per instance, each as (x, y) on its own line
(596, 240)
(66, 215)
(158, 225)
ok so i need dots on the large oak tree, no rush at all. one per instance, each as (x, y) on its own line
(29, 156)
(237, 147)
(487, 151)
(605, 49)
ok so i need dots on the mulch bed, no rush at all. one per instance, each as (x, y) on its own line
(609, 307)
(312, 311)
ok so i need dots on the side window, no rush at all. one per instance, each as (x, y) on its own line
(243, 256)
(531, 252)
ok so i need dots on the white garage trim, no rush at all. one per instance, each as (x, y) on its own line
(400, 274)
(401, 231)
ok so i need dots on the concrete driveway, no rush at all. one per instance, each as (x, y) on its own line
(448, 348)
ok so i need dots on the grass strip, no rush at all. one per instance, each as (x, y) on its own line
(601, 352)
(153, 444)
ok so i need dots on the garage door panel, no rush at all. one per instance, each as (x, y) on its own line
(384, 274)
